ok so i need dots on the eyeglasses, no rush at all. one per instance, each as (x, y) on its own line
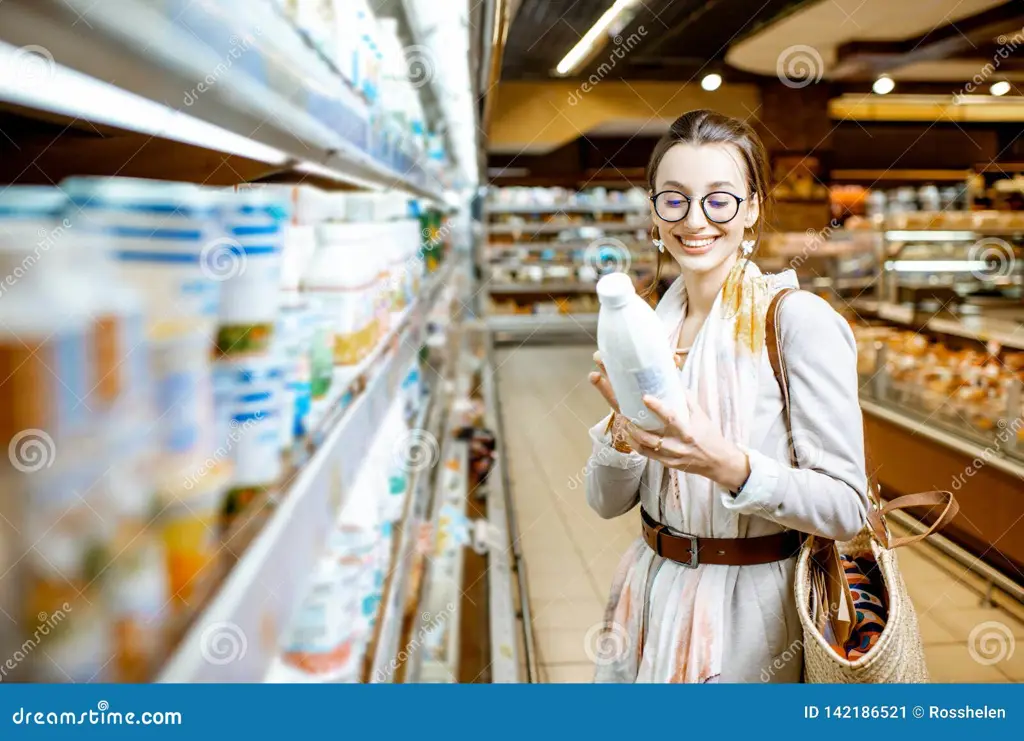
(719, 207)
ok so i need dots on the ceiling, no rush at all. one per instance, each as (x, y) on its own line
(679, 37)
(923, 40)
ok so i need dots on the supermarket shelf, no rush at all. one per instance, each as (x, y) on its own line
(607, 227)
(145, 67)
(257, 598)
(1005, 332)
(501, 580)
(579, 208)
(556, 246)
(526, 327)
(542, 288)
(382, 670)
(992, 457)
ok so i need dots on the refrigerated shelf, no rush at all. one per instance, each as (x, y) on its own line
(229, 77)
(257, 598)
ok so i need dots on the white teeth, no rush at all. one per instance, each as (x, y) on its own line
(698, 242)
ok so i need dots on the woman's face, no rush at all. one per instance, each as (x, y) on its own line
(697, 243)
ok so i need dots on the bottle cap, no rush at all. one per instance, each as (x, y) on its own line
(615, 289)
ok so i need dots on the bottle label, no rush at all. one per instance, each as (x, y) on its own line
(650, 381)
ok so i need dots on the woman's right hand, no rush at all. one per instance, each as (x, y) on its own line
(599, 380)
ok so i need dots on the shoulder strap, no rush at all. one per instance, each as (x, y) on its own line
(876, 515)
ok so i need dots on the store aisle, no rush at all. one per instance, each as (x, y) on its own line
(571, 554)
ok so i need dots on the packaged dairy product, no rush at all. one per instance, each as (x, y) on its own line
(246, 260)
(636, 353)
(157, 233)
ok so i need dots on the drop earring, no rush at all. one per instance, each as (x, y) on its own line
(658, 242)
(747, 246)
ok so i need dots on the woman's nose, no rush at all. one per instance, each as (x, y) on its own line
(695, 218)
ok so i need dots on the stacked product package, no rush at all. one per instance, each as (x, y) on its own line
(335, 625)
(168, 358)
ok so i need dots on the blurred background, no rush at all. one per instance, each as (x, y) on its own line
(298, 303)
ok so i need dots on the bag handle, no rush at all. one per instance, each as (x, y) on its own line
(876, 517)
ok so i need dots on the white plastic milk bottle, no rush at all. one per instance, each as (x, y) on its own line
(636, 353)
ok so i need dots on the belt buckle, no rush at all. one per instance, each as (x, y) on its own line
(693, 562)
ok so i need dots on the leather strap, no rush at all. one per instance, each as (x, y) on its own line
(691, 550)
(876, 517)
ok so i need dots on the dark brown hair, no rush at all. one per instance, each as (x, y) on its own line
(709, 127)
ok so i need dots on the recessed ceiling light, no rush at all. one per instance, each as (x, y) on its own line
(1000, 88)
(711, 82)
(884, 85)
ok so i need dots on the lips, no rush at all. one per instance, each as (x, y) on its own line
(698, 245)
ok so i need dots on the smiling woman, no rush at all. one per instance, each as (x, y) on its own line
(706, 594)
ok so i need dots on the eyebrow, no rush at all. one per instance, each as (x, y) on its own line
(712, 186)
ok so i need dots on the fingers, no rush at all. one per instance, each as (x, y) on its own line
(642, 438)
(661, 411)
(600, 382)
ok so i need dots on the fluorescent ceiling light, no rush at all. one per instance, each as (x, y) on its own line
(579, 52)
(711, 82)
(1000, 88)
(937, 266)
(72, 93)
(884, 85)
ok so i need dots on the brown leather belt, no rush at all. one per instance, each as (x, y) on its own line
(690, 550)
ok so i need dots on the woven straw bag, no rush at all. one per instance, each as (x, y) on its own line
(898, 656)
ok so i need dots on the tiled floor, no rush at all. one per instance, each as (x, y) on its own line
(571, 554)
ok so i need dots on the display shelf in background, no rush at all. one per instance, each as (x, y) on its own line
(524, 327)
(612, 227)
(541, 288)
(581, 208)
(259, 594)
(134, 67)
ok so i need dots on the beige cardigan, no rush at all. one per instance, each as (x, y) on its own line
(827, 497)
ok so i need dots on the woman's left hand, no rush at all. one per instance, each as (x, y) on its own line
(695, 446)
